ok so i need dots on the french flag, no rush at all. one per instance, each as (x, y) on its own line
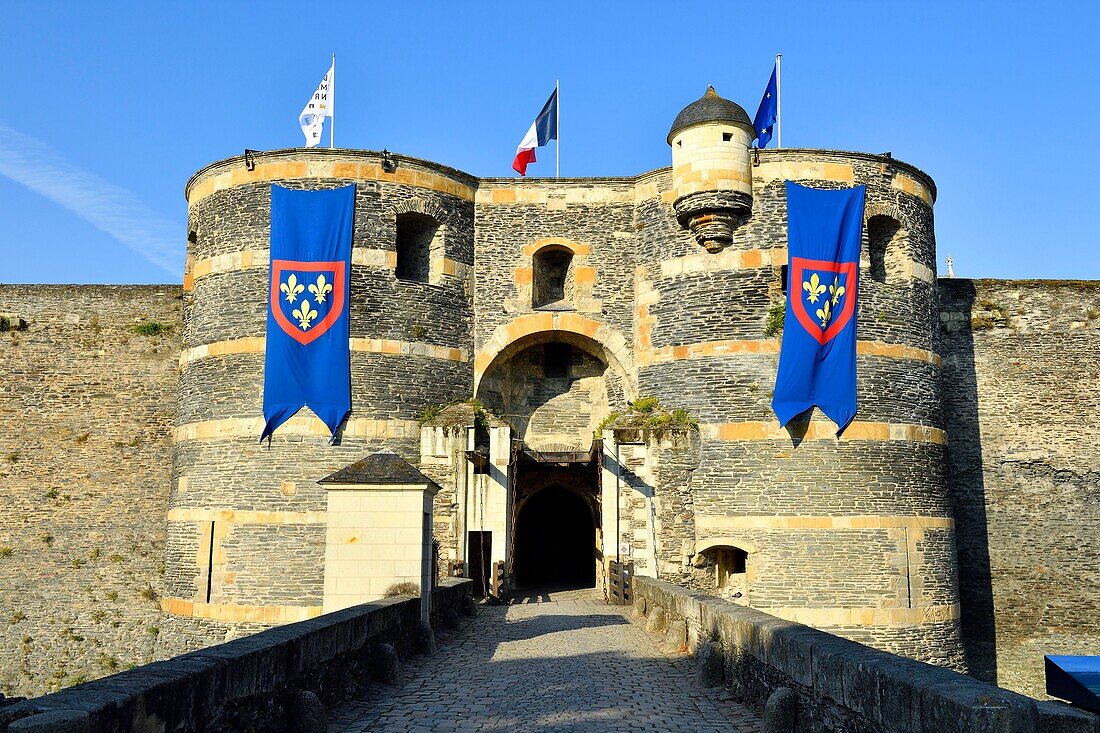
(543, 130)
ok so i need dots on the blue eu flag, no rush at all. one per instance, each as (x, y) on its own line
(817, 360)
(308, 361)
(767, 112)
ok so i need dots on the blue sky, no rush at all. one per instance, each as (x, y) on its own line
(107, 108)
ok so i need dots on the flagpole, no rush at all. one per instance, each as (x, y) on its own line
(778, 104)
(557, 126)
(332, 127)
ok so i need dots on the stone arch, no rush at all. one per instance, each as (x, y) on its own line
(577, 249)
(548, 482)
(596, 338)
(711, 542)
(729, 558)
(421, 206)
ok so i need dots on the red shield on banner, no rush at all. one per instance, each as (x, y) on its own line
(843, 274)
(307, 297)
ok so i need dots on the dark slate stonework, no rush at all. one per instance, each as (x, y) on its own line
(888, 390)
(235, 473)
(803, 568)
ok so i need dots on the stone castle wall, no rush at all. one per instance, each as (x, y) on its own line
(854, 536)
(86, 408)
(246, 536)
(1022, 399)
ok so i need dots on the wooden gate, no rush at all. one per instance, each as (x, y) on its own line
(620, 583)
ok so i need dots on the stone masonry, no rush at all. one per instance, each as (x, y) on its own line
(950, 523)
(87, 397)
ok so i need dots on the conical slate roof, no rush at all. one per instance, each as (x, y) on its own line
(383, 467)
(709, 108)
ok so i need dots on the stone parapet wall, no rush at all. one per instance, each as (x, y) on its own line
(839, 684)
(1022, 395)
(86, 409)
(246, 684)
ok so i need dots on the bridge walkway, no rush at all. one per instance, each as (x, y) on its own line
(555, 661)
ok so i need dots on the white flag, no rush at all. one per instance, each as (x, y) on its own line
(317, 109)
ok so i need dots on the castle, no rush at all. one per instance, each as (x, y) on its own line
(584, 367)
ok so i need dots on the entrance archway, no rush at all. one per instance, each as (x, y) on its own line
(555, 541)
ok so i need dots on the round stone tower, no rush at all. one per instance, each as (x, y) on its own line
(246, 532)
(711, 176)
(854, 535)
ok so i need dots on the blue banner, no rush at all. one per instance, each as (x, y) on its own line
(817, 361)
(308, 362)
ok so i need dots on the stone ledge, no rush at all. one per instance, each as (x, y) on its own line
(851, 685)
(246, 680)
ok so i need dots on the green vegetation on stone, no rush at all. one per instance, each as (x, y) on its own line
(647, 416)
(151, 328)
(431, 413)
(776, 314)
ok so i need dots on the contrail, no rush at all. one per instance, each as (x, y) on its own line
(108, 207)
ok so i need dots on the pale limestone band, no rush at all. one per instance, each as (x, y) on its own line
(260, 258)
(245, 516)
(283, 170)
(712, 522)
(823, 618)
(761, 430)
(644, 187)
(706, 349)
(251, 427)
(256, 345)
(239, 612)
(747, 259)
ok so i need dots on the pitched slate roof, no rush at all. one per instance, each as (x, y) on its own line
(383, 467)
(709, 108)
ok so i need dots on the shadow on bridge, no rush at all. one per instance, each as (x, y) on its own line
(553, 670)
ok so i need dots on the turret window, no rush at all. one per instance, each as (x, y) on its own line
(419, 248)
(887, 249)
(552, 278)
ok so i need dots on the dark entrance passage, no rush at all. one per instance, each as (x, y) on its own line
(555, 541)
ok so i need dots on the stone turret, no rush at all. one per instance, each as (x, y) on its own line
(712, 175)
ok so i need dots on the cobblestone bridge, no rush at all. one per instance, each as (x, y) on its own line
(558, 661)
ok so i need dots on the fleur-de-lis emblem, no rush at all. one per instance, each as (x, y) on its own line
(320, 289)
(292, 288)
(305, 314)
(814, 287)
(824, 313)
(836, 290)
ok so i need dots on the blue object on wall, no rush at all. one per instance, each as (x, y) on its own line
(307, 361)
(817, 360)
